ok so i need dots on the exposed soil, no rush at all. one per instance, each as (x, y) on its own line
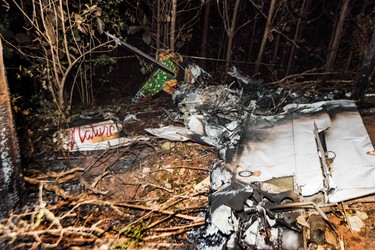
(148, 195)
(365, 239)
(148, 190)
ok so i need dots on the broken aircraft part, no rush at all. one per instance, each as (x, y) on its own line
(241, 77)
(281, 146)
(242, 212)
(94, 136)
(159, 79)
(285, 145)
(140, 53)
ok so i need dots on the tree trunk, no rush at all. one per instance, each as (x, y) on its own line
(11, 180)
(251, 43)
(337, 37)
(173, 25)
(366, 70)
(275, 49)
(158, 10)
(205, 28)
(165, 8)
(296, 36)
(265, 36)
(230, 33)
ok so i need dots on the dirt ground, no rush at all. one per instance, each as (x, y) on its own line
(148, 195)
(365, 239)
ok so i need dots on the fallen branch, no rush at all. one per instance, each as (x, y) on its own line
(167, 229)
(178, 215)
(68, 175)
(165, 245)
(164, 235)
(316, 82)
(89, 187)
(158, 222)
(192, 168)
(49, 186)
(147, 184)
(57, 175)
(92, 164)
(97, 179)
(95, 202)
(36, 234)
(302, 75)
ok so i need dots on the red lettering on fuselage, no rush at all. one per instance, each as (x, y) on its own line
(87, 134)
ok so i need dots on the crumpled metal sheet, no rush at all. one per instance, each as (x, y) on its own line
(170, 133)
(284, 145)
(214, 114)
(243, 213)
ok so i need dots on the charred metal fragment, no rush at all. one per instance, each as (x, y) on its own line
(317, 229)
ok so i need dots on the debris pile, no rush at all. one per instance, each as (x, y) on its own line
(261, 194)
(276, 166)
(306, 142)
(245, 213)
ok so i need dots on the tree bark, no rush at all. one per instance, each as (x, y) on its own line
(366, 70)
(337, 37)
(173, 25)
(230, 32)
(158, 21)
(265, 36)
(275, 49)
(205, 28)
(251, 43)
(11, 180)
(296, 36)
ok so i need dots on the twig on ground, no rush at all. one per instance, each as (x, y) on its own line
(49, 186)
(59, 178)
(147, 184)
(89, 187)
(164, 235)
(97, 179)
(346, 218)
(187, 167)
(158, 222)
(179, 227)
(165, 169)
(101, 156)
(182, 216)
(95, 202)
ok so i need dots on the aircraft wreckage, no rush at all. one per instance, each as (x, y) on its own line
(276, 175)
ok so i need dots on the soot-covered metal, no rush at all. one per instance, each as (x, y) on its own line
(272, 166)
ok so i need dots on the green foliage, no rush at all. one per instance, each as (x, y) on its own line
(104, 59)
(57, 40)
(24, 72)
(134, 235)
(38, 218)
(108, 62)
(113, 15)
(146, 68)
(85, 20)
(18, 106)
